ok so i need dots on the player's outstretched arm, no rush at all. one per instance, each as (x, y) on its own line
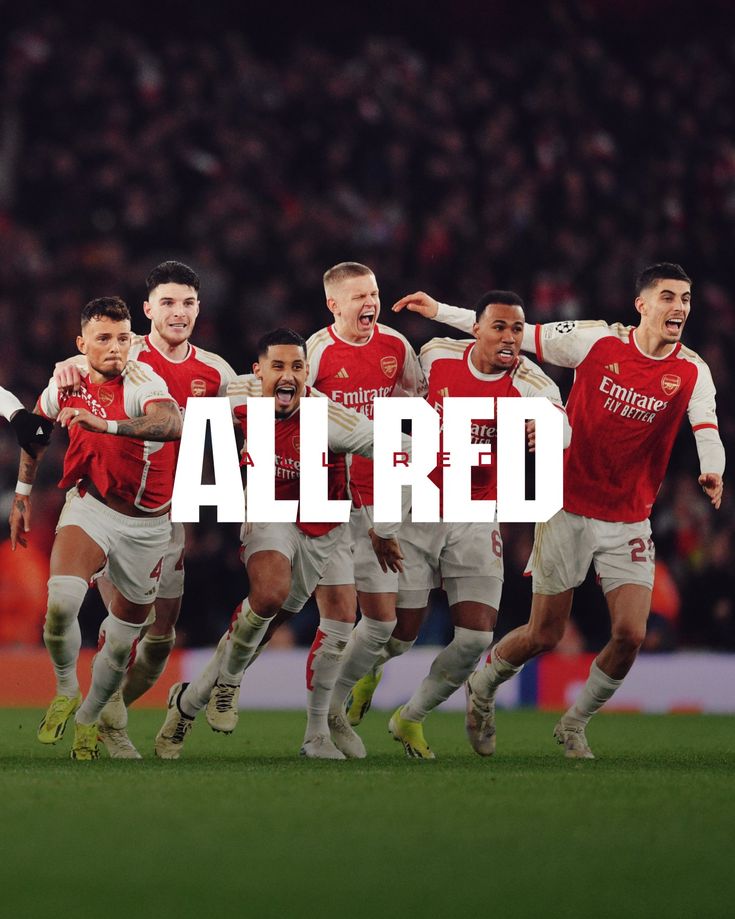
(712, 486)
(20, 512)
(420, 302)
(161, 422)
(388, 551)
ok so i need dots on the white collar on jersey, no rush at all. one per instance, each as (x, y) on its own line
(487, 377)
(651, 357)
(355, 344)
(171, 360)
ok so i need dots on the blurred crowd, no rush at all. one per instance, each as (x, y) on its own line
(557, 164)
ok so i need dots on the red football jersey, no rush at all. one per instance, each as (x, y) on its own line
(355, 374)
(348, 433)
(139, 472)
(450, 372)
(625, 409)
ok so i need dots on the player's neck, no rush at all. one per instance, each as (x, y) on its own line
(175, 352)
(651, 344)
(483, 366)
(351, 336)
(97, 378)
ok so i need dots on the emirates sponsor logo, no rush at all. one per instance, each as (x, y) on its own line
(106, 397)
(670, 383)
(198, 388)
(389, 366)
(613, 368)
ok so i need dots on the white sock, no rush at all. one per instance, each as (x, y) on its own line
(394, 647)
(449, 670)
(118, 641)
(241, 642)
(495, 672)
(322, 668)
(595, 693)
(61, 633)
(366, 642)
(197, 693)
(151, 657)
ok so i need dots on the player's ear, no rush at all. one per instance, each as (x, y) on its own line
(81, 344)
(476, 329)
(639, 304)
(147, 309)
(332, 305)
(256, 369)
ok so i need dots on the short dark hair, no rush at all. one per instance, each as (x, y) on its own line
(659, 272)
(111, 307)
(280, 337)
(508, 297)
(172, 272)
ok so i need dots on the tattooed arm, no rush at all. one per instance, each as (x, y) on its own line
(162, 421)
(20, 512)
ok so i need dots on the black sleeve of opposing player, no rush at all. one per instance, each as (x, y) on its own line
(32, 430)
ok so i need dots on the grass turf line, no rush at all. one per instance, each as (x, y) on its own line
(241, 823)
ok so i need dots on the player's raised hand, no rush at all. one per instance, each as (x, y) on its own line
(712, 486)
(388, 552)
(531, 436)
(20, 521)
(70, 417)
(68, 375)
(33, 431)
(419, 302)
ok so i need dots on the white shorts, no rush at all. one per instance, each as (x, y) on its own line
(171, 585)
(565, 547)
(308, 554)
(354, 561)
(454, 553)
(134, 546)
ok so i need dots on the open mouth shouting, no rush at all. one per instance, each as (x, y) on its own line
(674, 325)
(366, 320)
(506, 355)
(285, 398)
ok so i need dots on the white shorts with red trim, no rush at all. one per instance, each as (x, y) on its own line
(355, 562)
(565, 547)
(134, 546)
(308, 555)
(437, 551)
(171, 585)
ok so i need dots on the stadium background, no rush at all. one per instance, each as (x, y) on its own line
(453, 149)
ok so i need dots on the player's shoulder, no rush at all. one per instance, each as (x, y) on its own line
(687, 354)
(392, 334)
(138, 373)
(215, 361)
(445, 347)
(526, 371)
(318, 340)
(244, 384)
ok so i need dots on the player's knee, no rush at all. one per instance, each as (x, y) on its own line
(65, 597)
(268, 599)
(629, 635)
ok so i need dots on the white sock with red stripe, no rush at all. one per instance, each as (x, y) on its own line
(116, 653)
(495, 672)
(449, 670)
(366, 643)
(61, 633)
(151, 658)
(322, 668)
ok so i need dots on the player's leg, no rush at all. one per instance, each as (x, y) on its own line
(474, 601)
(75, 557)
(269, 575)
(624, 561)
(629, 606)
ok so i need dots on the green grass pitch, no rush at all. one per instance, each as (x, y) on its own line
(240, 826)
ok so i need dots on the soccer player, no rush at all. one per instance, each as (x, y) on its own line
(284, 560)
(32, 431)
(632, 387)
(353, 361)
(119, 469)
(190, 372)
(466, 558)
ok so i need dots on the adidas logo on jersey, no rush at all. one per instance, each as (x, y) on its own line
(342, 374)
(444, 392)
(613, 368)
